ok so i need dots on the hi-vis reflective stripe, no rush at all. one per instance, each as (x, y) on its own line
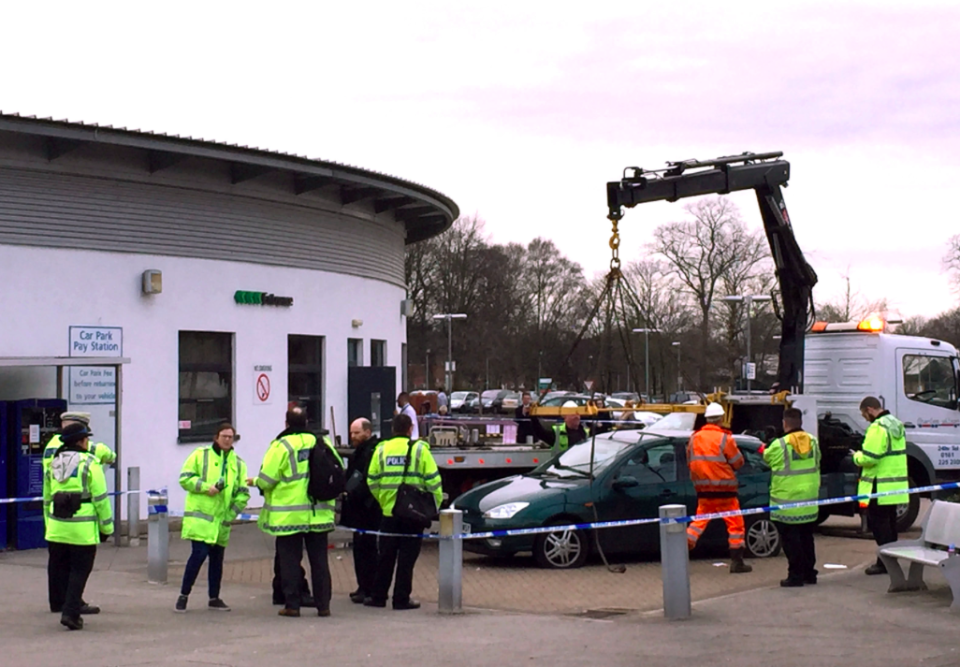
(297, 508)
(75, 519)
(187, 475)
(294, 478)
(206, 464)
(715, 482)
(269, 480)
(292, 455)
(884, 480)
(97, 499)
(715, 459)
(199, 515)
(301, 528)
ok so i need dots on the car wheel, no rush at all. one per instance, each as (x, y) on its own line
(762, 539)
(907, 512)
(562, 550)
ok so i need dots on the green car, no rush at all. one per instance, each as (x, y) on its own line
(633, 473)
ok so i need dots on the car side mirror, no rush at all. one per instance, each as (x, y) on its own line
(625, 482)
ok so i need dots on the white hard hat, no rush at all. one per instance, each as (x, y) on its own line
(570, 404)
(713, 410)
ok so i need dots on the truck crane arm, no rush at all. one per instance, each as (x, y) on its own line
(764, 173)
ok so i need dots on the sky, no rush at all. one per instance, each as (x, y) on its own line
(523, 111)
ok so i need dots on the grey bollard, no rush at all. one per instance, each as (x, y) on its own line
(133, 507)
(158, 536)
(674, 563)
(450, 573)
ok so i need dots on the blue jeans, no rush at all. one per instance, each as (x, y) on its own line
(201, 550)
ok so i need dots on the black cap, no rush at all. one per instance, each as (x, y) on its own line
(75, 433)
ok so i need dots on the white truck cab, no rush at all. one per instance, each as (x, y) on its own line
(915, 378)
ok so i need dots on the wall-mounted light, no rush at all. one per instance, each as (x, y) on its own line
(406, 308)
(152, 281)
(356, 324)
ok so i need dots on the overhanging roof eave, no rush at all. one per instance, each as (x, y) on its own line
(54, 362)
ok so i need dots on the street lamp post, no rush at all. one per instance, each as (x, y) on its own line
(748, 301)
(646, 363)
(448, 374)
(676, 344)
(426, 372)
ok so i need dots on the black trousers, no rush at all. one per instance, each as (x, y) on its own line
(365, 561)
(290, 551)
(278, 597)
(799, 549)
(68, 568)
(396, 552)
(882, 520)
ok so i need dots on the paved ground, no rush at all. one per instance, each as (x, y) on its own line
(847, 619)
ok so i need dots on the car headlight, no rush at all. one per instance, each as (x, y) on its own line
(504, 511)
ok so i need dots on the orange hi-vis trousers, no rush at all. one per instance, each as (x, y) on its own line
(735, 528)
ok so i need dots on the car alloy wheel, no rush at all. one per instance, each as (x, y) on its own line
(563, 549)
(762, 538)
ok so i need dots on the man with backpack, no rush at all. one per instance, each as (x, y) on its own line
(404, 479)
(294, 517)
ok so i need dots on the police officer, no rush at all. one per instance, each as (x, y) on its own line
(105, 456)
(360, 509)
(384, 477)
(215, 479)
(883, 463)
(563, 436)
(291, 516)
(75, 490)
(794, 462)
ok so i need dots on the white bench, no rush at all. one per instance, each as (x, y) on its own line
(941, 528)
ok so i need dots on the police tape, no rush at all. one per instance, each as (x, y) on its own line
(596, 525)
(38, 499)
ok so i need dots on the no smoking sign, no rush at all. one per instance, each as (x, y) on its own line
(262, 394)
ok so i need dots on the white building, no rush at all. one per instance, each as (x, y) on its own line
(85, 211)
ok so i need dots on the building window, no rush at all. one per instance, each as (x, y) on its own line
(354, 352)
(206, 383)
(378, 353)
(305, 376)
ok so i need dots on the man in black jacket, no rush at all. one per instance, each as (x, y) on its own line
(524, 419)
(361, 509)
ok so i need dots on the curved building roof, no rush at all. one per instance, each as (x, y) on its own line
(423, 212)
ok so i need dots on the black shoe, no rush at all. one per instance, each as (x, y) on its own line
(409, 604)
(218, 604)
(357, 597)
(75, 623)
(88, 609)
(876, 568)
(291, 613)
(181, 606)
(370, 602)
(811, 579)
(790, 583)
(323, 613)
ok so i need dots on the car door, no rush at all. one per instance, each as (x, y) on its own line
(642, 481)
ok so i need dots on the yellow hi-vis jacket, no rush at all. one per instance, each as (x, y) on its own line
(284, 477)
(207, 518)
(77, 472)
(883, 461)
(385, 474)
(794, 462)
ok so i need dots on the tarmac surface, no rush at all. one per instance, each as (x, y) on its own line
(847, 619)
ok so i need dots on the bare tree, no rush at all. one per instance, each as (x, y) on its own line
(951, 261)
(700, 252)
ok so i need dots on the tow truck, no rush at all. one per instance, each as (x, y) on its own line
(824, 369)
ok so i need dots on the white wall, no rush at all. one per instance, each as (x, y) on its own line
(48, 290)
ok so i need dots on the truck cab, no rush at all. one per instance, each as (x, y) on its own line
(915, 378)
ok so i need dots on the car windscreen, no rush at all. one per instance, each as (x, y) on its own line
(575, 462)
(490, 394)
(460, 394)
(678, 421)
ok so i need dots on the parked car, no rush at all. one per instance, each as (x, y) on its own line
(557, 401)
(553, 394)
(633, 472)
(464, 402)
(511, 401)
(492, 399)
(626, 395)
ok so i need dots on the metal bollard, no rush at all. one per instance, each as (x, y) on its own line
(133, 507)
(674, 563)
(451, 562)
(158, 536)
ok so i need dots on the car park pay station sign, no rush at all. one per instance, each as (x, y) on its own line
(96, 341)
(262, 390)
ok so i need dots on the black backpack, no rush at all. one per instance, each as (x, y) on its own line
(327, 478)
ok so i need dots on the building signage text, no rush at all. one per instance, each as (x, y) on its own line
(96, 341)
(261, 299)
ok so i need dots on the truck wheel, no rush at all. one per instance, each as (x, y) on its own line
(908, 512)
(562, 550)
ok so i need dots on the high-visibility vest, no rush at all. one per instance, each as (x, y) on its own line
(104, 455)
(793, 478)
(207, 518)
(385, 474)
(284, 478)
(713, 456)
(77, 472)
(561, 440)
(883, 461)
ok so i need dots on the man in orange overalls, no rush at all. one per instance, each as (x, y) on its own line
(713, 456)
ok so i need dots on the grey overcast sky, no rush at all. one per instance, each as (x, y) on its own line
(522, 111)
